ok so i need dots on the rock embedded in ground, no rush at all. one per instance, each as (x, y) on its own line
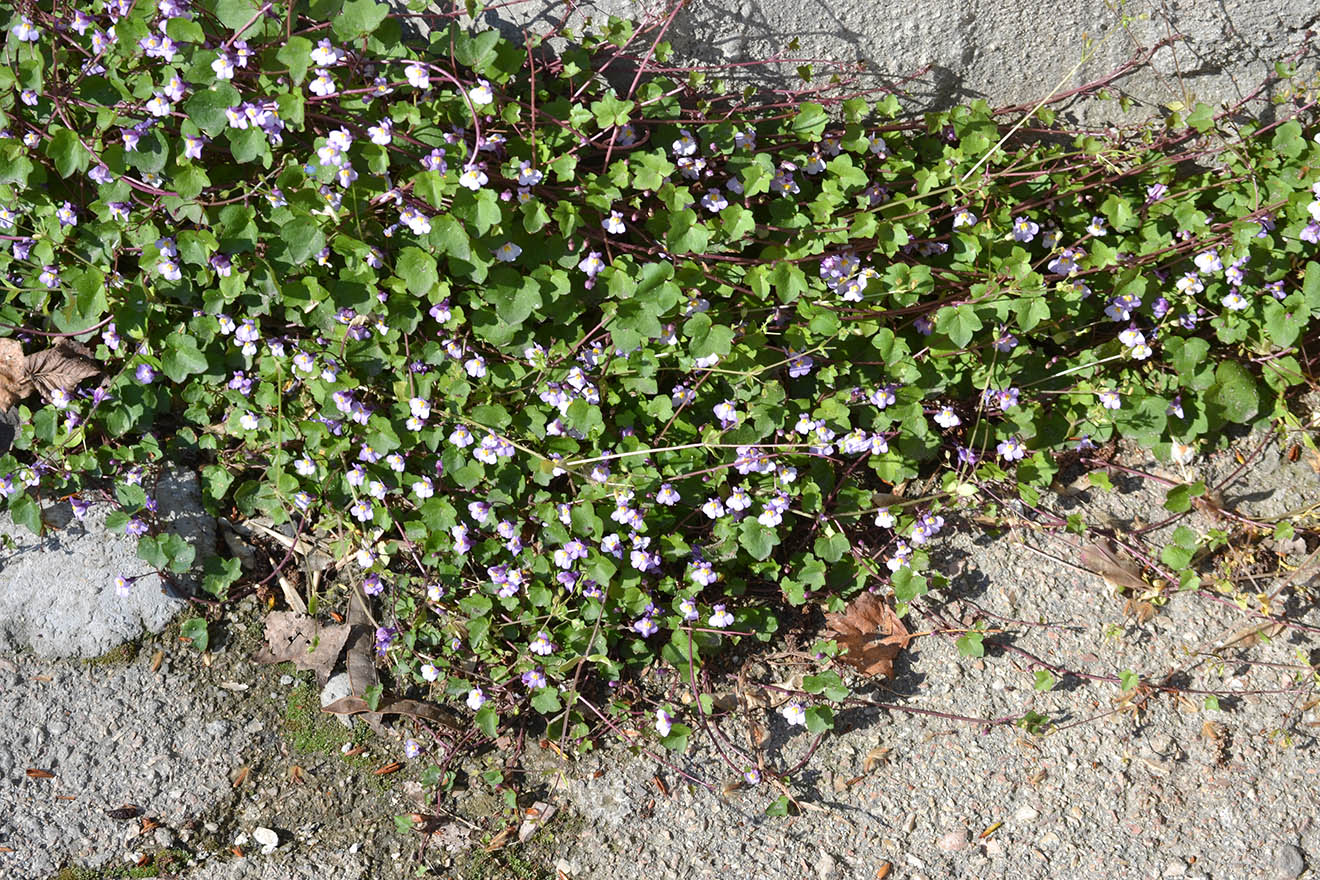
(1288, 862)
(57, 594)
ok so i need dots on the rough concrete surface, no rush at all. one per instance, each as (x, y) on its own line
(57, 596)
(1162, 786)
(1005, 51)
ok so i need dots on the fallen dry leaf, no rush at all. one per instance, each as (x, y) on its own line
(499, 840)
(871, 635)
(413, 708)
(11, 373)
(62, 366)
(883, 871)
(1121, 574)
(874, 758)
(536, 816)
(301, 639)
(124, 813)
(392, 767)
(242, 776)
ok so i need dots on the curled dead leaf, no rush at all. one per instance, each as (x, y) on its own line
(39, 773)
(1121, 574)
(60, 367)
(12, 383)
(876, 757)
(870, 633)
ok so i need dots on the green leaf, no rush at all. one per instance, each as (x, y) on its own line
(418, 270)
(451, 238)
(26, 511)
(182, 358)
(809, 123)
(303, 238)
(207, 107)
(971, 644)
(1235, 392)
(67, 152)
(1311, 287)
(706, 338)
(488, 720)
(247, 144)
(610, 111)
(820, 719)
(296, 54)
(1119, 212)
(233, 14)
(1044, 680)
(195, 631)
(1179, 498)
(958, 323)
(677, 738)
(219, 574)
(1128, 680)
(1202, 118)
(758, 540)
(359, 17)
(546, 701)
(184, 30)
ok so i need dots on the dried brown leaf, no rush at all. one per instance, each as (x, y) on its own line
(871, 635)
(1102, 558)
(874, 758)
(13, 385)
(39, 773)
(61, 366)
(124, 813)
(295, 637)
(361, 656)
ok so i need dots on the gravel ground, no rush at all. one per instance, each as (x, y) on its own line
(1172, 789)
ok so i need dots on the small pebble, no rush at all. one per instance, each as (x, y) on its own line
(1026, 813)
(826, 865)
(268, 839)
(1288, 862)
(953, 841)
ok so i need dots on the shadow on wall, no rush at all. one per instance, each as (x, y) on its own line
(935, 55)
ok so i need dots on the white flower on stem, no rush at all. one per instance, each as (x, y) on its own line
(481, 93)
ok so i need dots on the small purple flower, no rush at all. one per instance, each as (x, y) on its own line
(534, 678)
(1011, 449)
(411, 749)
(372, 585)
(135, 527)
(385, 636)
(145, 374)
(80, 507)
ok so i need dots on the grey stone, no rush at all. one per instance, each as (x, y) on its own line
(1004, 51)
(1288, 862)
(57, 594)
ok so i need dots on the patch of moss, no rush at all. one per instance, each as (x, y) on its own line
(165, 862)
(308, 729)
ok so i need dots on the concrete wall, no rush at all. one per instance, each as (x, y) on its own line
(1003, 51)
